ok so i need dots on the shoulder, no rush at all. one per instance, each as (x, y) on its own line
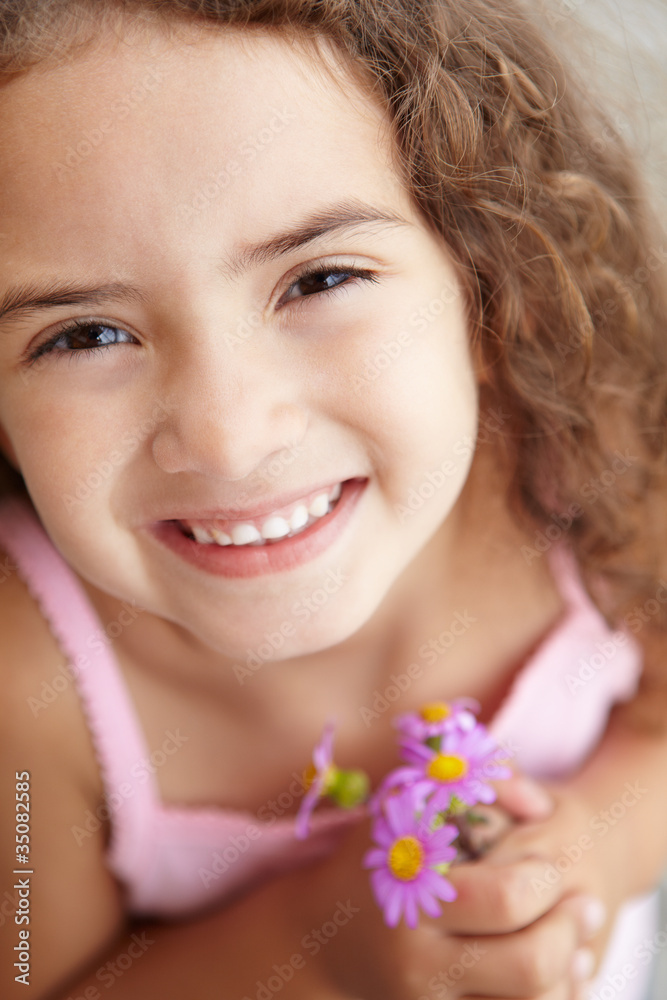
(74, 902)
(39, 695)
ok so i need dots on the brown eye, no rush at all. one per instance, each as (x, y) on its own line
(317, 281)
(315, 278)
(82, 338)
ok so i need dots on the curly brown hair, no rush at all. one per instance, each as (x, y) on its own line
(541, 203)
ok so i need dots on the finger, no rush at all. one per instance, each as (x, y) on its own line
(546, 956)
(481, 830)
(494, 898)
(560, 993)
(523, 798)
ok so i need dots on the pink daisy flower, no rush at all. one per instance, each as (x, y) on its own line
(317, 779)
(409, 861)
(438, 717)
(462, 767)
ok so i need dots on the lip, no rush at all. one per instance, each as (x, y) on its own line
(235, 513)
(244, 561)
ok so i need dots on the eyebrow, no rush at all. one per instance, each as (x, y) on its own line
(29, 297)
(346, 215)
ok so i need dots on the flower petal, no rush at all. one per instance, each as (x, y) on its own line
(440, 856)
(394, 904)
(302, 821)
(439, 886)
(400, 776)
(323, 752)
(442, 797)
(416, 753)
(375, 858)
(400, 812)
(439, 840)
(381, 832)
(382, 885)
(410, 907)
(427, 901)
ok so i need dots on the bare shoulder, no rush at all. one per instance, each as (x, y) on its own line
(68, 902)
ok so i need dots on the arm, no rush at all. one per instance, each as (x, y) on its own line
(74, 904)
(221, 954)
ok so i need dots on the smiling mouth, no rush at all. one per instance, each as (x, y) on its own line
(246, 559)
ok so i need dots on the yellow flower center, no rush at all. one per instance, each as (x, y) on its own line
(405, 858)
(447, 767)
(435, 711)
(310, 774)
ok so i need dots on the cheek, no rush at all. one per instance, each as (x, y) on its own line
(73, 459)
(435, 432)
(416, 386)
(63, 441)
(414, 391)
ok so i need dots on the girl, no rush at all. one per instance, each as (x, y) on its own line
(332, 382)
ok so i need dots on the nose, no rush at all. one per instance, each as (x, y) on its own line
(230, 414)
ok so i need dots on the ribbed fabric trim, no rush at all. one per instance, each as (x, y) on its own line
(110, 714)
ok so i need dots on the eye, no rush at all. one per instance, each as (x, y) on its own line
(83, 338)
(311, 278)
(86, 337)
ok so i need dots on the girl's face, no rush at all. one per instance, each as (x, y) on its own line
(223, 379)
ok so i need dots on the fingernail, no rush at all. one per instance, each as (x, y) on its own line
(594, 915)
(583, 963)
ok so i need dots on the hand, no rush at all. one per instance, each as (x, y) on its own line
(500, 938)
(575, 849)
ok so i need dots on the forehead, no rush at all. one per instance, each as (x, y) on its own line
(118, 143)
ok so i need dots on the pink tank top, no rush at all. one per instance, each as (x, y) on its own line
(172, 860)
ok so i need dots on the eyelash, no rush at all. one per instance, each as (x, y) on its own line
(48, 346)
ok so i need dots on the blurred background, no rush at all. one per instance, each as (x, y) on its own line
(620, 49)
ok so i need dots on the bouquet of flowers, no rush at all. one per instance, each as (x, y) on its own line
(425, 812)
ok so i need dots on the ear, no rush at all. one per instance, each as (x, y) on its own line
(7, 449)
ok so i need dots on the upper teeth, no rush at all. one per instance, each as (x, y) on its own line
(273, 527)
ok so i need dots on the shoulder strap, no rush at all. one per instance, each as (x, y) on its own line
(565, 571)
(557, 707)
(115, 728)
